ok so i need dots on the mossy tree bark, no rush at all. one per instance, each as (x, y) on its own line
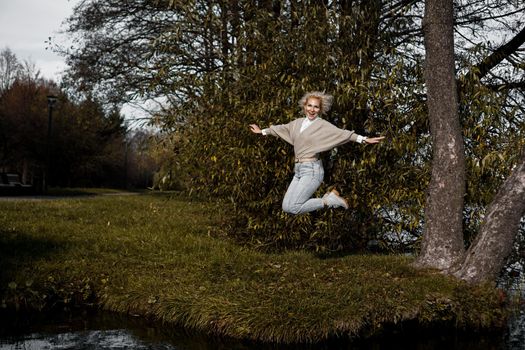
(442, 245)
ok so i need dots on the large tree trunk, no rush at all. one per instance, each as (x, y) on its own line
(442, 245)
(487, 254)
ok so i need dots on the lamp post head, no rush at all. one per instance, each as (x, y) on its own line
(51, 100)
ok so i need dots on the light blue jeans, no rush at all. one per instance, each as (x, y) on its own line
(307, 179)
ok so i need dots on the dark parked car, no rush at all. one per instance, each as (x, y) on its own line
(10, 184)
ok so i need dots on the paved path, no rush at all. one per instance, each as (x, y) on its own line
(45, 197)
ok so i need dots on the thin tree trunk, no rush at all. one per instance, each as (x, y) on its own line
(225, 37)
(442, 245)
(487, 254)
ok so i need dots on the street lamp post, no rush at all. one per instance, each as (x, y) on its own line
(51, 100)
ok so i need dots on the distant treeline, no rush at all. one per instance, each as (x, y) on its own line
(80, 141)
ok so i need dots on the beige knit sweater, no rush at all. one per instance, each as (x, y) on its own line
(319, 137)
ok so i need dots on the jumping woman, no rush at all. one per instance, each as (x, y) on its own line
(310, 136)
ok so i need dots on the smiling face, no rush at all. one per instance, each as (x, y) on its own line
(312, 107)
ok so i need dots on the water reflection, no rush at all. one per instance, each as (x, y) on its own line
(70, 330)
(110, 339)
(512, 280)
(109, 331)
(516, 337)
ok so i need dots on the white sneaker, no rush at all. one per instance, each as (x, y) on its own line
(333, 200)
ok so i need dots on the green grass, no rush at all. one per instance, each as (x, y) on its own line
(154, 256)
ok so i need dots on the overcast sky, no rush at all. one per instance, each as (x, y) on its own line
(25, 25)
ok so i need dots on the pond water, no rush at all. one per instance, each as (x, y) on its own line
(102, 330)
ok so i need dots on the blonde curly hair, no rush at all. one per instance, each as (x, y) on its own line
(324, 98)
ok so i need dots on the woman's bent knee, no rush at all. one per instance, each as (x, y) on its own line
(292, 209)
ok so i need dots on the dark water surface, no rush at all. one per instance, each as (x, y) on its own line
(102, 330)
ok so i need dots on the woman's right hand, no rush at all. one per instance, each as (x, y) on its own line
(255, 129)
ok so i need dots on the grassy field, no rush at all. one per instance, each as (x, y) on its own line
(152, 255)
